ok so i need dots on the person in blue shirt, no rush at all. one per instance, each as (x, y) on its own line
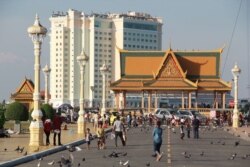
(157, 138)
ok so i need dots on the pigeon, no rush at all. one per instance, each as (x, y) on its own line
(83, 159)
(5, 149)
(211, 142)
(79, 164)
(71, 148)
(188, 156)
(104, 156)
(25, 153)
(39, 164)
(184, 153)
(148, 164)
(223, 143)
(202, 153)
(120, 163)
(78, 149)
(51, 163)
(236, 143)
(125, 154)
(40, 159)
(65, 161)
(21, 150)
(126, 163)
(17, 149)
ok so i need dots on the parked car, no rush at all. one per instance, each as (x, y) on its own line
(185, 114)
(191, 113)
(163, 112)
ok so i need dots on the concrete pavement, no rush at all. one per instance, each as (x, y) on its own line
(139, 150)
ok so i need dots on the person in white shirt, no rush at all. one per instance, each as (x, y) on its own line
(119, 129)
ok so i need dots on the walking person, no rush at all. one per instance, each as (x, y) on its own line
(47, 129)
(88, 137)
(157, 138)
(118, 129)
(188, 127)
(196, 124)
(101, 136)
(57, 122)
(182, 128)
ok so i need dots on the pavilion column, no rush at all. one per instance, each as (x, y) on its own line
(189, 100)
(223, 100)
(196, 99)
(117, 106)
(149, 101)
(215, 100)
(124, 99)
(156, 100)
(182, 100)
(142, 100)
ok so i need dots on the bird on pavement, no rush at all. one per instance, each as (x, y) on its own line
(51, 163)
(25, 153)
(211, 142)
(223, 143)
(188, 156)
(5, 149)
(236, 143)
(78, 148)
(120, 163)
(125, 154)
(202, 153)
(83, 159)
(148, 164)
(39, 164)
(126, 163)
(17, 149)
(184, 153)
(21, 150)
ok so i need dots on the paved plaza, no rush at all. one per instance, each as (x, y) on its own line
(217, 145)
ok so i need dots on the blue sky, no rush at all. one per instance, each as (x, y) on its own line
(188, 24)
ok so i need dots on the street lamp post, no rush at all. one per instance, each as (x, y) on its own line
(104, 70)
(46, 71)
(37, 32)
(236, 72)
(82, 60)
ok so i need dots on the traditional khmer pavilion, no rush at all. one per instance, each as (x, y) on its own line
(155, 73)
(24, 94)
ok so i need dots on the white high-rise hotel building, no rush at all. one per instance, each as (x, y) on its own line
(99, 35)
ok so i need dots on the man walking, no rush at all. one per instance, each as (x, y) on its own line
(57, 122)
(118, 129)
(196, 124)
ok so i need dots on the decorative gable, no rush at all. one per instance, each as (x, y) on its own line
(25, 89)
(170, 68)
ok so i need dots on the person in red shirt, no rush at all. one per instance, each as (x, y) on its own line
(57, 122)
(47, 128)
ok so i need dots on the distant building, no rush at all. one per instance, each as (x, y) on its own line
(24, 94)
(99, 35)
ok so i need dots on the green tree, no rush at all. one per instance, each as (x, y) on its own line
(2, 119)
(16, 111)
(48, 111)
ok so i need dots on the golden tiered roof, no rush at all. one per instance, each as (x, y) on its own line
(170, 70)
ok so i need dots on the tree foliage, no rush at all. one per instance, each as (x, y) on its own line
(16, 111)
(48, 111)
(2, 119)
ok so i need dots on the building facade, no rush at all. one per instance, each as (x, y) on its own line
(100, 36)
